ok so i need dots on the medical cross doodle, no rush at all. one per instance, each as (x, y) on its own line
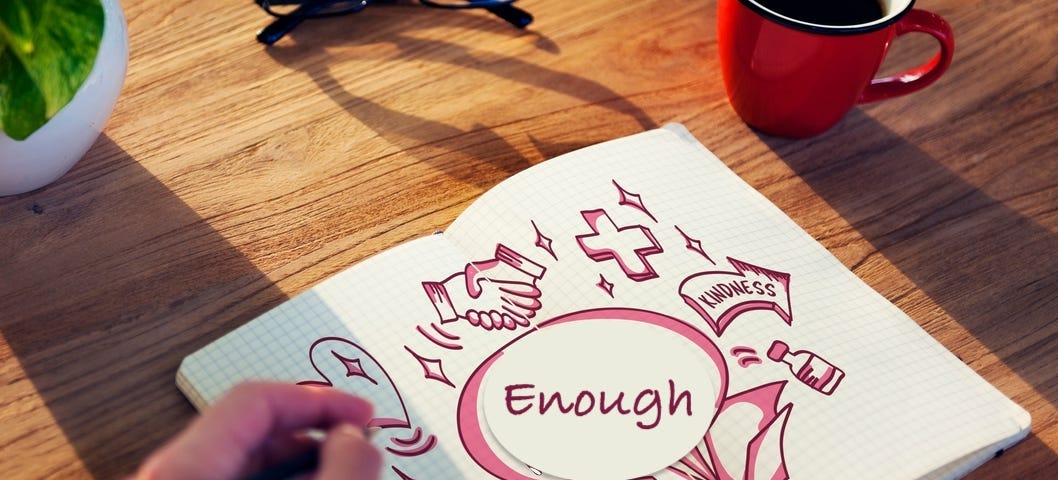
(629, 245)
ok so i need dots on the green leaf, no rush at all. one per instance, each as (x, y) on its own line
(22, 108)
(47, 49)
(17, 20)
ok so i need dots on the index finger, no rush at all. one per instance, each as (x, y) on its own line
(263, 409)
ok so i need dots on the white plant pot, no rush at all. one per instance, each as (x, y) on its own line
(52, 150)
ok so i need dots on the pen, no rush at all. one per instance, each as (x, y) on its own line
(302, 463)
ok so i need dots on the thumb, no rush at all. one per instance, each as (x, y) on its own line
(348, 455)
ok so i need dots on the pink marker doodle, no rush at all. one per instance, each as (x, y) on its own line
(441, 337)
(345, 365)
(495, 294)
(543, 242)
(762, 434)
(605, 285)
(720, 297)
(629, 245)
(473, 432)
(432, 368)
(634, 200)
(746, 356)
(693, 244)
(808, 367)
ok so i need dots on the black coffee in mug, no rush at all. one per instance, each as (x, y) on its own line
(827, 12)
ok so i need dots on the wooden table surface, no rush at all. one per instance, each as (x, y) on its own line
(232, 177)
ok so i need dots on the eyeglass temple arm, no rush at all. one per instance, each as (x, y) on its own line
(278, 29)
(512, 14)
(284, 24)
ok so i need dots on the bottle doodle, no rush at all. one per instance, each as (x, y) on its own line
(808, 367)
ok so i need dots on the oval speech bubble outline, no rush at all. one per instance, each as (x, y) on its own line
(595, 351)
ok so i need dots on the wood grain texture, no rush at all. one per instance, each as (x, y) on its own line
(232, 177)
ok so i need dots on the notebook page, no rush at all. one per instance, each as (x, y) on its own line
(852, 387)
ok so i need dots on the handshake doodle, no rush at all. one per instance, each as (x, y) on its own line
(495, 294)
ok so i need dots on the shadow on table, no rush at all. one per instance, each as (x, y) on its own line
(432, 141)
(990, 268)
(102, 341)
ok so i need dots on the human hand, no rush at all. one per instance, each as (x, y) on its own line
(259, 424)
(500, 296)
(495, 294)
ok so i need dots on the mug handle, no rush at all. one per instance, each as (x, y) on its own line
(919, 77)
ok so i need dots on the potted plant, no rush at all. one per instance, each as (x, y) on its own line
(62, 65)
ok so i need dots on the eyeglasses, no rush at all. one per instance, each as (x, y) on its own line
(290, 13)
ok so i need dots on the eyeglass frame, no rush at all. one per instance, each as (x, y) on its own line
(309, 9)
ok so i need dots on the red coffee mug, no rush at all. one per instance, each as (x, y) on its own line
(793, 78)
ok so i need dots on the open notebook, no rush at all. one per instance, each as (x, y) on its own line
(629, 310)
